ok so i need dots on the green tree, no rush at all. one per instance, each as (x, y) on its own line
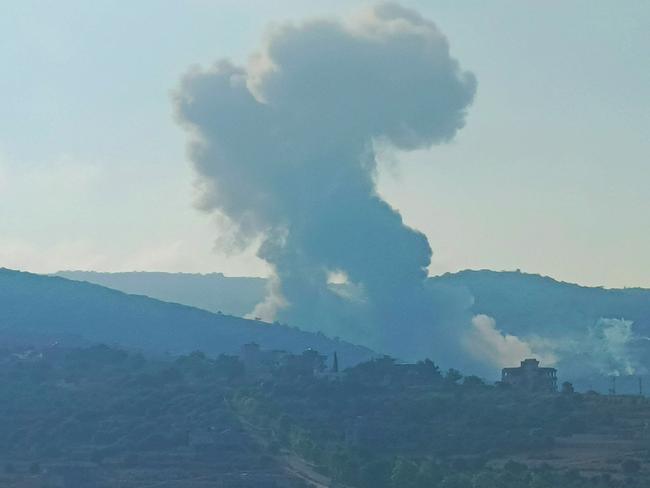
(459, 480)
(429, 474)
(630, 466)
(453, 376)
(486, 479)
(567, 388)
(375, 474)
(404, 474)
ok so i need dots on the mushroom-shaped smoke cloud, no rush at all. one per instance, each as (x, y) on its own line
(284, 148)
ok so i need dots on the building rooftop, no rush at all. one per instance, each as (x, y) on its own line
(530, 376)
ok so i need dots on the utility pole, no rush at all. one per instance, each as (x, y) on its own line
(612, 390)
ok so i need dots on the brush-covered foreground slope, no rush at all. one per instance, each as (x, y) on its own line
(55, 307)
(104, 417)
(525, 303)
(383, 424)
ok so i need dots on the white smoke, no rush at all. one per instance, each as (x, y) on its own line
(487, 344)
(608, 347)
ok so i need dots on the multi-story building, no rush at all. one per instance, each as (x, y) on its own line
(529, 376)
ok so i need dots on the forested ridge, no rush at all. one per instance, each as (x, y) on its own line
(521, 303)
(36, 306)
(525, 303)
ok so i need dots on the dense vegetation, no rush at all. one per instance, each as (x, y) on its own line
(568, 317)
(379, 424)
(82, 313)
(526, 303)
(102, 417)
(384, 424)
(212, 291)
(520, 302)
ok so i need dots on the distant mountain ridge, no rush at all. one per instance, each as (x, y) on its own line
(212, 291)
(520, 302)
(525, 303)
(54, 307)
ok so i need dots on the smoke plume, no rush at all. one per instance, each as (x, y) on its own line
(490, 346)
(609, 347)
(284, 148)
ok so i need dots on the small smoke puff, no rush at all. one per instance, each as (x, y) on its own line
(486, 343)
(284, 148)
(608, 347)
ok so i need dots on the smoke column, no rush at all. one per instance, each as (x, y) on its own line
(284, 149)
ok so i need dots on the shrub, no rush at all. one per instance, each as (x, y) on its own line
(630, 466)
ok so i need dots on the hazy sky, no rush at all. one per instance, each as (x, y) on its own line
(550, 175)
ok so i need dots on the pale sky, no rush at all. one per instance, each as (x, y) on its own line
(551, 174)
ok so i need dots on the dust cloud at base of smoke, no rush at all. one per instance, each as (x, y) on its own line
(608, 347)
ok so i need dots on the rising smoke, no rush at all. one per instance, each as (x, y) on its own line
(284, 148)
(492, 347)
(609, 347)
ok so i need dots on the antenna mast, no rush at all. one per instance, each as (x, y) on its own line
(612, 390)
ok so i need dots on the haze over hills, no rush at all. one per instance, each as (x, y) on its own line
(588, 332)
(531, 303)
(338, 152)
(54, 307)
(520, 302)
(212, 291)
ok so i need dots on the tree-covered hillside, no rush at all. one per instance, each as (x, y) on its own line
(520, 302)
(58, 308)
(103, 417)
(525, 303)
